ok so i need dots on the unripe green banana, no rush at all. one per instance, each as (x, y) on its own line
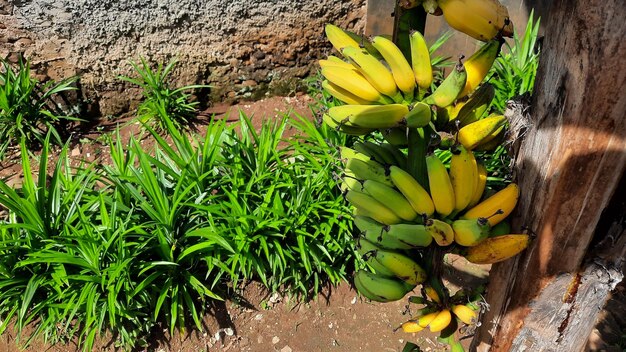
(411, 189)
(386, 155)
(441, 232)
(400, 68)
(368, 250)
(414, 235)
(463, 175)
(374, 71)
(370, 116)
(368, 170)
(350, 130)
(419, 115)
(391, 198)
(449, 89)
(500, 229)
(366, 223)
(477, 104)
(420, 60)
(405, 268)
(470, 232)
(399, 157)
(479, 64)
(380, 237)
(475, 133)
(396, 136)
(377, 210)
(354, 82)
(351, 183)
(380, 289)
(346, 154)
(344, 95)
(364, 149)
(441, 189)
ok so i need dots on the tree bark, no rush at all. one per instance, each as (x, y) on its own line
(569, 166)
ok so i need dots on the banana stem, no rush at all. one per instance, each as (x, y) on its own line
(418, 140)
(405, 21)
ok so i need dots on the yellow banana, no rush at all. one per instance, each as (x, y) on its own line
(396, 136)
(391, 198)
(492, 141)
(340, 63)
(370, 116)
(463, 176)
(405, 268)
(426, 319)
(339, 126)
(441, 321)
(411, 326)
(432, 294)
(337, 59)
(493, 10)
(374, 71)
(416, 194)
(497, 249)
(418, 116)
(400, 67)
(354, 82)
(481, 182)
(368, 170)
(441, 189)
(497, 207)
(449, 89)
(465, 314)
(420, 60)
(344, 95)
(475, 133)
(378, 211)
(476, 105)
(441, 232)
(464, 16)
(479, 64)
(470, 232)
(339, 38)
(380, 289)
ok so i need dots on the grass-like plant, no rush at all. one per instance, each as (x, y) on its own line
(27, 107)
(158, 92)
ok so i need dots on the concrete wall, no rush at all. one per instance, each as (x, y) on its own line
(242, 48)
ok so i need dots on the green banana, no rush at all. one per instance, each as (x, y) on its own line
(346, 154)
(476, 105)
(500, 229)
(391, 198)
(368, 170)
(374, 71)
(381, 238)
(399, 157)
(420, 60)
(405, 268)
(386, 155)
(441, 231)
(396, 136)
(416, 194)
(449, 89)
(380, 289)
(369, 116)
(351, 183)
(400, 67)
(414, 235)
(350, 130)
(378, 211)
(470, 232)
(418, 116)
(364, 149)
(367, 250)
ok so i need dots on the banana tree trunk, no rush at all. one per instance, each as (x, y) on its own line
(570, 168)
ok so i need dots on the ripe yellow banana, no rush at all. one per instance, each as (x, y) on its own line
(378, 211)
(441, 232)
(354, 82)
(497, 249)
(492, 141)
(370, 116)
(475, 133)
(465, 314)
(380, 289)
(418, 116)
(479, 64)
(374, 71)
(344, 95)
(339, 38)
(463, 176)
(470, 232)
(497, 207)
(416, 194)
(391, 198)
(340, 63)
(405, 268)
(400, 67)
(426, 319)
(368, 170)
(411, 326)
(339, 126)
(481, 182)
(441, 189)
(476, 105)
(432, 294)
(469, 17)
(441, 321)
(420, 60)
(449, 89)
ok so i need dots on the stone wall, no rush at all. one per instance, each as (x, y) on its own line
(243, 49)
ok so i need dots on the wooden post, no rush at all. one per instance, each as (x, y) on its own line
(569, 167)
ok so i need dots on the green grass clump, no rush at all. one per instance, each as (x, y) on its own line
(27, 107)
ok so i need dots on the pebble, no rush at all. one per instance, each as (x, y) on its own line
(286, 349)
(275, 340)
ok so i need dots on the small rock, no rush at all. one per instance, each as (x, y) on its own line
(258, 317)
(229, 332)
(286, 349)
(218, 335)
(330, 326)
(275, 340)
(75, 152)
(275, 298)
(259, 339)
(354, 300)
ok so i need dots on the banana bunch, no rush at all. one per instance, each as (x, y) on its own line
(480, 19)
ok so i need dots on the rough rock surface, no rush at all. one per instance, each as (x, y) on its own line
(243, 49)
